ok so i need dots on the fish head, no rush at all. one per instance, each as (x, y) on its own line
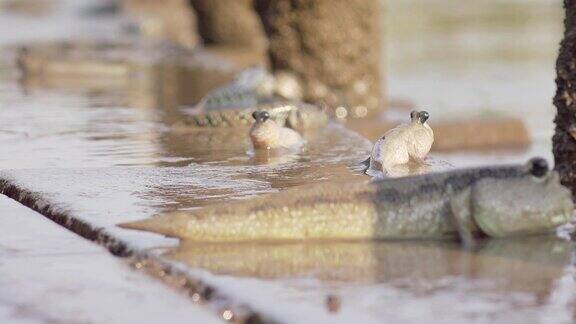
(532, 202)
(419, 116)
(265, 131)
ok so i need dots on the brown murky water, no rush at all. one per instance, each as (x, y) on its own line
(101, 149)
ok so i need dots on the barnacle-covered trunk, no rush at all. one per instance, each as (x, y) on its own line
(332, 47)
(564, 139)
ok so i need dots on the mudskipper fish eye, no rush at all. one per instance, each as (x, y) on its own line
(538, 167)
(255, 115)
(413, 114)
(264, 115)
(423, 116)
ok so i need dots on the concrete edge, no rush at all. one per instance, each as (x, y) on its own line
(165, 271)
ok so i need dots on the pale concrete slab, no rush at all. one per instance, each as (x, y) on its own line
(49, 274)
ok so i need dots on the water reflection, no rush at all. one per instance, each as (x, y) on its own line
(269, 157)
(431, 164)
(85, 90)
(528, 265)
(132, 74)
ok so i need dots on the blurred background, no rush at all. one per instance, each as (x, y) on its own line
(484, 70)
(477, 59)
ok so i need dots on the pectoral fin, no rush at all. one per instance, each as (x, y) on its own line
(461, 212)
(366, 164)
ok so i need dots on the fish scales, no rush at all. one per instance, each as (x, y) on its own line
(293, 115)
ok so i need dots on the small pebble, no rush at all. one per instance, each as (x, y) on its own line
(227, 315)
(333, 303)
(196, 297)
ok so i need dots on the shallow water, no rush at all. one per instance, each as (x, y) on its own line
(103, 152)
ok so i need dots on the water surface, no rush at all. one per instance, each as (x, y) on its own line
(105, 151)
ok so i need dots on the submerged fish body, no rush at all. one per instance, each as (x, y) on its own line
(252, 90)
(498, 201)
(247, 89)
(296, 115)
(251, 87)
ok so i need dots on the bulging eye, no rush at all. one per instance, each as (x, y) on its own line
(265, 115)
(538, 167)
(413, 114)
(424, 116)
(255, 115)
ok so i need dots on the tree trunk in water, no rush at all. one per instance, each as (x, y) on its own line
(231, 23)
(168, 20)
(332, 47)
(564, 139)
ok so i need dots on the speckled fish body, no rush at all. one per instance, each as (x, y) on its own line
(296, 115)
(248, 89)
(498, 201)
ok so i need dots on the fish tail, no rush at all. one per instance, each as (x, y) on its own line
(162, 224)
